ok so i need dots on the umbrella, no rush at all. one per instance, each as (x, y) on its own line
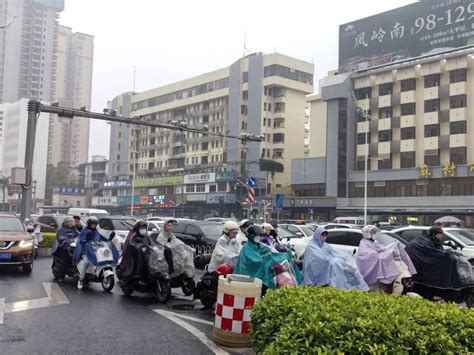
(448, 219)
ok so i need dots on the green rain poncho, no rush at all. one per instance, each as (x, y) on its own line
(257, 260)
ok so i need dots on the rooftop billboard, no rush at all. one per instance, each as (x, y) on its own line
(410, 31)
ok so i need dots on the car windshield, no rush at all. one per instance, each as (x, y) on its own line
(385, 238)
(212, 231)
(308, 231)
(123, 224)
(9, 224)
(285, 233)
(465, 236)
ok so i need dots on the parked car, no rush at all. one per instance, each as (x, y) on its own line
(154, 227)
(17, 247)
(87, 212)
(349, 220)
(120, 225)
(461, 239)
(220, 220)
(50, 223)
(329, 226)
(299, 230)
(200, 235)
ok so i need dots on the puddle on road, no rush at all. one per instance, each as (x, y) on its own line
(9, 334)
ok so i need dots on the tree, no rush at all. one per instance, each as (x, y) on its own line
(58, 176)
(271, 165)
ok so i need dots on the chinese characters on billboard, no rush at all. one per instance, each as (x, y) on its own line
(422, 28)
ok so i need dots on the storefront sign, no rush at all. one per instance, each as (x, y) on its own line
(225, 176)
(220, 198)
(199, 178)
(127, 200)
(70, 191)
(104, 201)
(117, 184)
(196, 198)
(160, 181)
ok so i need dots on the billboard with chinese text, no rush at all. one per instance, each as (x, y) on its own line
(410, 31)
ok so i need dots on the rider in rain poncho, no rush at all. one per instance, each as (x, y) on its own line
(381, 264)
(325, 266)
(257, 260)
(227, 248)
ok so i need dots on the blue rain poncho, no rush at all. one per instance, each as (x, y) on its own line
(257, 260)
(325, 266)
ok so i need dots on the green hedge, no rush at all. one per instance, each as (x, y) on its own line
(48, 239)
(312, 320)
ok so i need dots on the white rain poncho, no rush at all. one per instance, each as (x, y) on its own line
(183, 255)
(226, 251)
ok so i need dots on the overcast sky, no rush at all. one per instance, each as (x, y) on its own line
(167, 41)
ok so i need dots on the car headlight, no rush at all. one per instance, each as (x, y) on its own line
(26, 244)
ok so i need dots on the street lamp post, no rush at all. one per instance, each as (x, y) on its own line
(366, 160)
(133, 179)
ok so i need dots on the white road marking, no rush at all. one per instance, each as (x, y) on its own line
(184, 316)
(55, 297)
(2, 307)
(175, 317)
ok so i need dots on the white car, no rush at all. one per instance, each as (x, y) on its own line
(120, 225)
(300, 230)
(329, 226)
(154, 227)
(346, 240)
(462, 238)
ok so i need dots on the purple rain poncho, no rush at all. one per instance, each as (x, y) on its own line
(382, 263)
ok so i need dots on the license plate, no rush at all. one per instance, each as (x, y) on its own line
(5, 256)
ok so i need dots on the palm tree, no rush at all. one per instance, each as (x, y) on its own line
(4, 184)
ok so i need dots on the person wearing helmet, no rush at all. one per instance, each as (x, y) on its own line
(227, 248)
(382, 265)
(134, 261)
(269, 236)
(244, 225)
(84, 250)
(62, 261)
(257, 260)
(78, 224)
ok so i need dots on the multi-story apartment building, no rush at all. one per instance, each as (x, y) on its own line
(69, 138)
(420, 129)
(28, 47)
(259, 94)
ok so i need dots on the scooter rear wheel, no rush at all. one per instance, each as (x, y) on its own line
(188, 288)
(127, 291)
(108, 283)
(162, 291)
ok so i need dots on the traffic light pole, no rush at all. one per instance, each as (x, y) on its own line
(36, 107)
(33, 111)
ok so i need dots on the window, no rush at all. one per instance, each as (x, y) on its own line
(407, 160)
(288, 73)
(279, 107)
(385, 112)
(458, 101)
(200, 187)
(432, 80)
(221, 186)
(385, 89)
(212, 188)
(361, 116)
(408, 85)
(386, 163)
(457, 76)
(205, 146)
(432, 157)
(458, 155)
(205, 119)
(204, 160)
(190, 188)
(385, 136)
(432, 105)
(408, 109)
(344, 238)
(361, 138)
(364, 93)
(408, 133)
(245, 95)
(279, 138)
(431, 130)
(243, 109)
(458, 127)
